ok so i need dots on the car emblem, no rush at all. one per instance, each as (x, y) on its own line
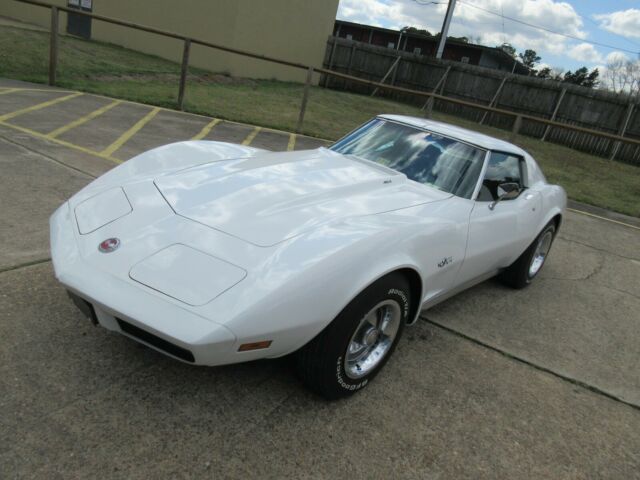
(109, 245)
(445, 261)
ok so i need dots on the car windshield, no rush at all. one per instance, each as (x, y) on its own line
(425, 157)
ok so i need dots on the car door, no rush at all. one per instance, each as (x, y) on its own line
(500, 232)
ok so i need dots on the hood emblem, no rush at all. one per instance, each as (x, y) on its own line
(109, 245)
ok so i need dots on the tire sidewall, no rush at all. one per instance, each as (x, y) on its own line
(349, 319)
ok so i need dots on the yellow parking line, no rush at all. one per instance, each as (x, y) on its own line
(45, 90)
(7, 116)
(267, 129)
(80, 121)
(251, 136)
(60, 142)
(603, 218)
(130, 133)
(292, 142)
(207, 128)
(10, 90)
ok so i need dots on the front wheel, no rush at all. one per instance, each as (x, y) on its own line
(528, 265)
(353, 348)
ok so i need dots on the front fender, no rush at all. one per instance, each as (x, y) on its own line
(308, 280)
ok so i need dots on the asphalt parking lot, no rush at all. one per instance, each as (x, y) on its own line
(494, 383)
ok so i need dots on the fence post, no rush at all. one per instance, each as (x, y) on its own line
(183, 72)
(393, 66)
(305, 97)
(516, 128)
(351, 55)
(428, 105)
(53, 46)
(494, 99)
(553, 116)
(325, 80)
(395, 72)
(622, 131)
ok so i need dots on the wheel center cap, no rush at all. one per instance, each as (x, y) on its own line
(371, 337)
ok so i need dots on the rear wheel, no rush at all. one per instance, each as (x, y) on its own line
(528, 265)
(353, 348)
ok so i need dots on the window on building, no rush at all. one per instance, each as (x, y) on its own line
(391, 45)
(417, 50)
(349, 36)
(464, 59)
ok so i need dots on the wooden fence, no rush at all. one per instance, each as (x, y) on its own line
(569, 104)
(430, 96)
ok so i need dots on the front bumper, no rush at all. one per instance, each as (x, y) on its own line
(122, 306)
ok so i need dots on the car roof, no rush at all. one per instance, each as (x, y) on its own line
(448, 130)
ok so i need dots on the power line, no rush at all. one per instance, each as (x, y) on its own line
(531, 25)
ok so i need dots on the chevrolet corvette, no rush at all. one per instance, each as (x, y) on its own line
(215, 253)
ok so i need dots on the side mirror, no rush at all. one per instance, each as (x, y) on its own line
(506, 191)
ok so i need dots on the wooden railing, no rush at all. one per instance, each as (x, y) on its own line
(188, 41)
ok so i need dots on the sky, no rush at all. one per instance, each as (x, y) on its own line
(611, 22)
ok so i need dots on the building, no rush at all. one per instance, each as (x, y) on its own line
(418, 43)
(287, 29)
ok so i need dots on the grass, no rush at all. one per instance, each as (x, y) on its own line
(118, 72)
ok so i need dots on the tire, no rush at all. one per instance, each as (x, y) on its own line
(522, 272)
(327, 364)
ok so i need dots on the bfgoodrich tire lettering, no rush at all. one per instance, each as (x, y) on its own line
(329, 363)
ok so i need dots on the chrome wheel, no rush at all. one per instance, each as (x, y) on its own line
(372, 339)
(540, 253)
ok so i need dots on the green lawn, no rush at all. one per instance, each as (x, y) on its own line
(114, 71)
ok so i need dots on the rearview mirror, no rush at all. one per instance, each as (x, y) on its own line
(506, 191)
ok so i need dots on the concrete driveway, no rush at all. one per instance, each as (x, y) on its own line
(494, 383)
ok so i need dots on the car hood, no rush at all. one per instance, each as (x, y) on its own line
(272, 197)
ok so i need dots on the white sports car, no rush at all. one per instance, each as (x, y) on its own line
(215, 253)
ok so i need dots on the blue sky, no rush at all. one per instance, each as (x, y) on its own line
(613, 22)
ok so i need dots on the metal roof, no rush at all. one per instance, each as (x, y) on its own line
(468, 136)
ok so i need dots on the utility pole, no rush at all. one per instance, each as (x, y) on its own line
(445, 27)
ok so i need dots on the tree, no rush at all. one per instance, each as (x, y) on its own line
(508, 49)
(420, 31)
(592, 79)
(459, 39)
(623, 75)
(545, 73)
(550, 73)
(582, 77)
(529, 58)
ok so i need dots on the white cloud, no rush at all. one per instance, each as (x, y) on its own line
(376, 12)
(585, 52)
(468, 21)
(616, 57)
(622, 22)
